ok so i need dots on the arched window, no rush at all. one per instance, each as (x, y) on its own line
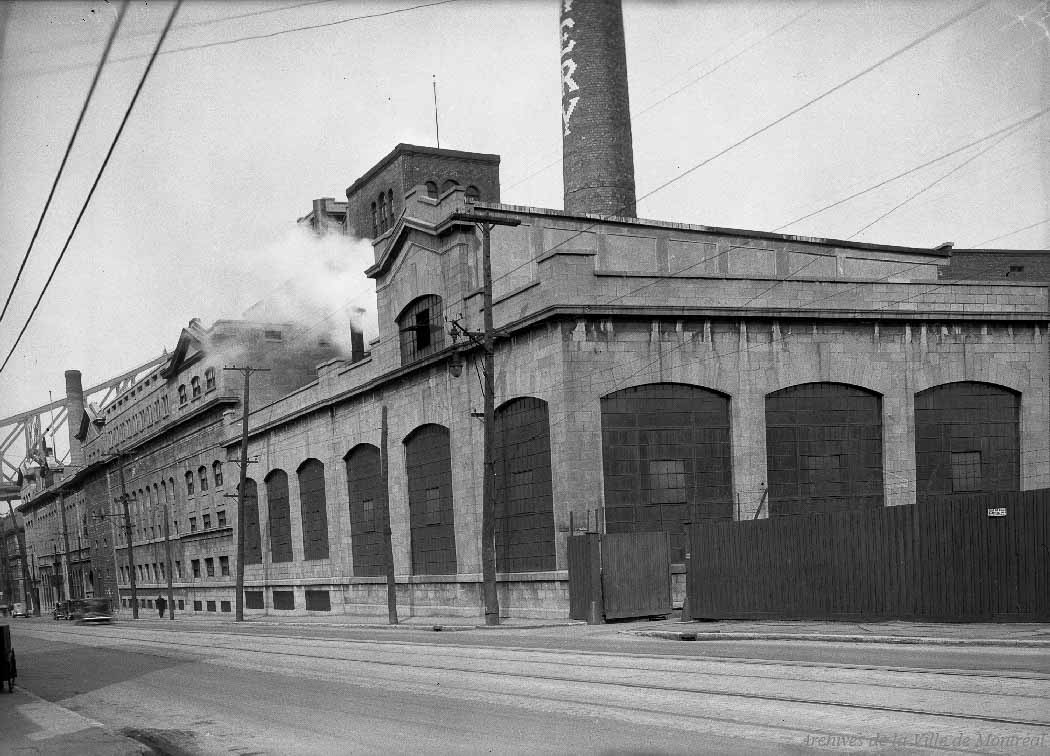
(472, 194)
(390, 204)
(195, 383)
(382, 212)
(182, 394)
(428, 464)
(314, 510)
(524, 497)
(967, 439)
(449, 185)
(171, 486)
(667, 459)
(202, 473)
(279, 516)
(216, 471)
(375, 221)
(189, 483)
(432, 190)
(420, 328)
(823, 449)
(209, 379)
(368, 509)
(252, 537)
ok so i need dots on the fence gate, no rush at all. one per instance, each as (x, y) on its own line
(622, 574)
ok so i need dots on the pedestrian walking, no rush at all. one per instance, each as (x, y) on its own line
(161, 604)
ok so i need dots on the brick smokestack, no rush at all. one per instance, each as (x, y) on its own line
(597, 154)
(75, 417)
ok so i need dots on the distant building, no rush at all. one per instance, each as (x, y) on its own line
(158, 442)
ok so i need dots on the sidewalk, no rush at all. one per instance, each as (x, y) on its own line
(31, 725)
(1016, 635)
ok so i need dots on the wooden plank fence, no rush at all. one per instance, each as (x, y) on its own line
(981, 557)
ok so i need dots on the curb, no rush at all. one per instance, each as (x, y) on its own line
(902, 640)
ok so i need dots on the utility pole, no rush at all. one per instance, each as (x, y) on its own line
(129, 535)
(27, 587)
(247, 370)
(485, 223)
(167, 556)
(388, 547)
(65, 539)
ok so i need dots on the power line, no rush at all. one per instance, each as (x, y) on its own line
(1015, 124)
(1011, 233)
(98, 178)
(180, 27)
(69, 148)
(252, 37)
(911, 45)
(934, 183)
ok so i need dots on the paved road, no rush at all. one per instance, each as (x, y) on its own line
(285, 690)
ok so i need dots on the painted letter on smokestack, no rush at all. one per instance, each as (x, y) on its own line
(597, 155)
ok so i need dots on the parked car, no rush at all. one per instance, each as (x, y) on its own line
(91, 611)
(19, 610)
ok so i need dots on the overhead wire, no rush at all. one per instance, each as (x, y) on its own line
(69, 148)
(1011, 233)
(249, 37)
(915, 168)
(934, 183)
(98, 179)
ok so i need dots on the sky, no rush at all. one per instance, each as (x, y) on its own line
(247, 117)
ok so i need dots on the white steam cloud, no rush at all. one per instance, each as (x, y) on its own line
(316, 283)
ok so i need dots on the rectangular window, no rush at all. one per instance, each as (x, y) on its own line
(211, 606)
(318, 601)
(209, 379)
(182, 605)
(272, 335)
(224, 606)
(966, 471)
(422, 328)
(221, 517)
(207, 522)
(196, 565)
(209, 566)
(253, 600)
(178, 570)
(193, 524)
(224, 565)
(198, 606)
(284, 600)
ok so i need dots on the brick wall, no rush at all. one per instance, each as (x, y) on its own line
(996, 264)
(597, 153)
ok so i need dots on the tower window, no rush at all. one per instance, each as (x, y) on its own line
(432, 190)
(473, 194)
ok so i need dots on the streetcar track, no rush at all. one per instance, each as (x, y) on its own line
(622, 684)
(728, 660)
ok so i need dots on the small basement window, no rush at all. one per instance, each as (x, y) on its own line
(272, 335)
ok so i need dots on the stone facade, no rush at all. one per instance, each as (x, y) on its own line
(587, 306)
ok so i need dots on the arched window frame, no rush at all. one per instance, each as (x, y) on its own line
(202, 474)
(209, 379)
(420, 328)
(189, 482)
(195, 386)
(216, 472)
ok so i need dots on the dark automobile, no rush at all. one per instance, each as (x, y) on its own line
(61, 610)
(92, 610)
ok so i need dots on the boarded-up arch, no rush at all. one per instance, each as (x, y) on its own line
(368, 509)
(667, 459)
(967, 438)
(524, 496)
(823, 448)
(280, 522)
(314, 508)
(428, 464)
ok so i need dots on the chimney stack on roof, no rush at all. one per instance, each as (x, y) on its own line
(597, 154)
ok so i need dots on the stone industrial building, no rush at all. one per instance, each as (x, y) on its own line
(647, 374)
